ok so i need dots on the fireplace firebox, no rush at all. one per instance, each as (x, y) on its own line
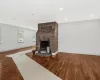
(47, 38)
(45, 47)
(44, 44)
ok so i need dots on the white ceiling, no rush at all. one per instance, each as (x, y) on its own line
(19, 12)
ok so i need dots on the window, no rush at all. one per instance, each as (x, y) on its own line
(20, 35)
(34, 36)
(0, 34)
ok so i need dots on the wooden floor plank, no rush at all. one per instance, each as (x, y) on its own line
(71, 66)
(8, 69)
(67, 66)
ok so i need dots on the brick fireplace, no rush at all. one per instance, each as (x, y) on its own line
(47, 37)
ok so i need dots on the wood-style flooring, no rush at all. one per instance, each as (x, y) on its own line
(67, 66)
(71, 66)
(8, 69)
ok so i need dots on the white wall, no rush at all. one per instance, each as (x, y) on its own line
(80, 37)
(9, 38)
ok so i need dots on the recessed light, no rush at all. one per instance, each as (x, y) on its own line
(13, 18)
(32, 14)
(91, 15)
(61, 9)
(65, 18)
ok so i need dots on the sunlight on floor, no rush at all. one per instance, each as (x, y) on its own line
(31, 70)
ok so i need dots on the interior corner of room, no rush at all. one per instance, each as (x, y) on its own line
(49, 39)
(81, 37)
(14, 37)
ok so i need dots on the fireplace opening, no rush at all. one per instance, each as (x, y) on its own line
(45, 47)
(44, 44)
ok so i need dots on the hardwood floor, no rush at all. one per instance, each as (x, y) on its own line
(64, 65)
(71, 66)
(8, 69)
(3, 54)
(15, 50)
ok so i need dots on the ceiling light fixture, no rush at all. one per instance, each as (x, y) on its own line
(32, 14)
(91, 15)
(65, 18)
(13, 18)
(61, 9)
